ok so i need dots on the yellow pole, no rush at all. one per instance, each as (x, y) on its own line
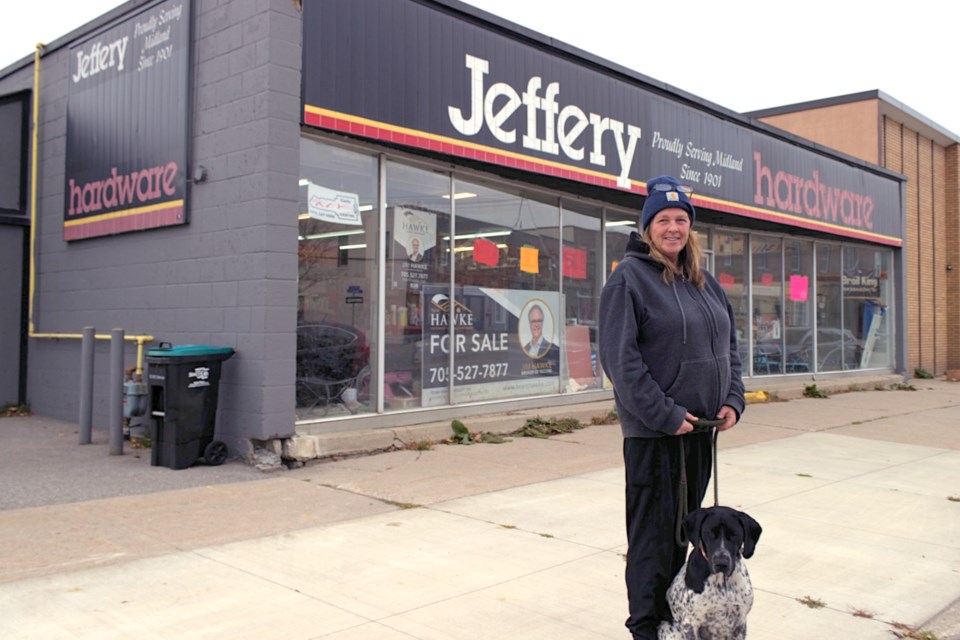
(34, 162)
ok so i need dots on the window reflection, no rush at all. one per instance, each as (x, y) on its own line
(730, 270)
(418, 269)
(582, 282)
(828, 345)
(767, 282)
(507, 257)
(864, 313)
(337, 284)
(798, 309)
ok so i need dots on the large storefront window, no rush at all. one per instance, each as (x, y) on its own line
(866, 285)
(730, 269)
(337, 291)
(418, 273)
(582, 282)
(828, 348)
(767, 285)
(491, 292)
(798, 304)
(619, 225)
(507, 276)
(480, 300)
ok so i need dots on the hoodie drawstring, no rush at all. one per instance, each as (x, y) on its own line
(683, 315)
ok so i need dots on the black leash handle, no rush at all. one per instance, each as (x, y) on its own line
(699, 427)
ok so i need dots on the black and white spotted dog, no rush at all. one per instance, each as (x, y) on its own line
(711, 595)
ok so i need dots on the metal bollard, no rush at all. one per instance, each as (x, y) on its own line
(116, 392)
(86, 385)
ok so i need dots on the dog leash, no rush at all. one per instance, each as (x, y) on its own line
(683, 503)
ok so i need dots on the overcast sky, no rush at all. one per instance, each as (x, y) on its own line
(741, 54)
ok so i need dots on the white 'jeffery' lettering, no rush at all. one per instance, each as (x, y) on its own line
(495, 107)
(100, 57)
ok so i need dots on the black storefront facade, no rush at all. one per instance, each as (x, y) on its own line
(806, 243)
(463, 186)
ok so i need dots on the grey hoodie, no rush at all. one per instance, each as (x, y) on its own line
(667, 348)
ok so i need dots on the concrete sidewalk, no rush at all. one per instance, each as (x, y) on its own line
(857, 494)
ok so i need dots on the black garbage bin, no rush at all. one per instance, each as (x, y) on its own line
(183, 386)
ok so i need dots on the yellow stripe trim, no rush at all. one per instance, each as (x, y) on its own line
(566, 167)
(113, 215)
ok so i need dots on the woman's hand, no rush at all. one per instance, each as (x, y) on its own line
(729, 415)
(687, 425)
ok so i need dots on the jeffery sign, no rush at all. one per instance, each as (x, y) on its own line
(127, 125)
(486, 94)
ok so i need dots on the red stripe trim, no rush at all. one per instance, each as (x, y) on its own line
(325, 119)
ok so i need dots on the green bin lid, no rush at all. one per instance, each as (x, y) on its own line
(190, 350)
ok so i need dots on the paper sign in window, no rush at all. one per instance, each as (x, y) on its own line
(575, 263)
(485, 252)
(798, 288)
(529, 260)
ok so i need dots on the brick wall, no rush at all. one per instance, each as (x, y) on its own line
(928, 218)
(952, 241)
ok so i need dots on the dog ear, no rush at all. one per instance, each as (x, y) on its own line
(698, 570)
(691, 526)
(751, 533)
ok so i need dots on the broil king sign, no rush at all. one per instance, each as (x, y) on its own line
(127, 125)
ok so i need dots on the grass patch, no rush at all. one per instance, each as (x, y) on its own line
(142, 441)
(811, 391)
(462, 435)
(610, 417)
(538, 427)
(899, 386)
(11, 410)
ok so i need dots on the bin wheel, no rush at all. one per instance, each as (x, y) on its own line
(215, 453)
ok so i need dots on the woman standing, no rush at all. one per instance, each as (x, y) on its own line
(668, 343)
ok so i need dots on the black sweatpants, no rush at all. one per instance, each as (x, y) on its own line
(653, 557)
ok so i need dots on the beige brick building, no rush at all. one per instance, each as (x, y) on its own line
(876, 128)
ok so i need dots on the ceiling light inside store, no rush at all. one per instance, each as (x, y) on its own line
(331, 234)
(462, 195)
(482, 234)
(621, 223)
(353, 246)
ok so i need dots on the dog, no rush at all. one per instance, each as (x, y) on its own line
(711, 595)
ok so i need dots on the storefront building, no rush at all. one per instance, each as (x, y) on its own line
(878, 129)
(401, 210)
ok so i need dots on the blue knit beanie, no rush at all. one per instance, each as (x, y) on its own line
(658, 200)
